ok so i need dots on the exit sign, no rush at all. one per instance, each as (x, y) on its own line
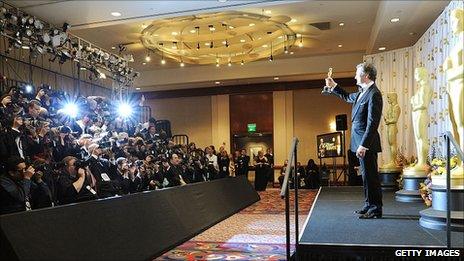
(251, 127)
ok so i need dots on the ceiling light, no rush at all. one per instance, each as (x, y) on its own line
(242, 62)
(293, 20)
(147, 58)
(340, 46)
(207, 44)
(217, 82)
(264, 46)
(291, 52)
(252, 24)
(222, 1)
(341, 24)
(224, 42)
(163, 61)
(276, 78)
(231, 27)
(144, 26)
(116, 14)
(138, 88)
(298, 35)
(412, 33)
(193, 31)
(394, 20)
(285, 49)
(212, 29)
(182, 64)
(229, 64)
(242, 40)
(113, 47)
(300, 44)
(268, 12)
(25, 47)
(144, 63)
(280, 37)
(271, 58)
(382, 48)
(174, 33)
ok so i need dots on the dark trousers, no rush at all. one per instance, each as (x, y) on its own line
(371, 181)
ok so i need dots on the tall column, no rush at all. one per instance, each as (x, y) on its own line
(283, 124)
(220, 123)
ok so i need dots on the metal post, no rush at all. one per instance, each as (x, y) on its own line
(297, 183)
(287, 220)
(448, 192)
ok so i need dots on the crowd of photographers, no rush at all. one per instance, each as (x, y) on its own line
(54, 154)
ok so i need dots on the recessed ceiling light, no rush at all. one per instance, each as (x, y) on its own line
(298, 35)
(412, 33)
(280, 37)
(242, 40)
(116, 14)
(268, 12)
(25, 47)
(193, 31)
(264, 45)
(138, 88)
(182, 64)
(276, 78)
(207, 43)
(217, 82)
(231, 27)
(293, 20)
(224, 42)
(174, 33)
(341, 24)
(252, 24)
(382, 48)
(144, 63)
(394, 20)
(291, 52)
(340, 46)
(113, 47)
(222, 1)
(155, 35)
(163, 61)
(174, 47)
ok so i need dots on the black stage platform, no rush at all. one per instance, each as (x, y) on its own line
(333, 229)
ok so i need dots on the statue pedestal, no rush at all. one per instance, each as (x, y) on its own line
(435, 217)
(389, 177)
(412, 178)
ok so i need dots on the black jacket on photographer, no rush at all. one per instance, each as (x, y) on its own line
(173, 174)
(10, 145)
(105, 188)
(66, 193)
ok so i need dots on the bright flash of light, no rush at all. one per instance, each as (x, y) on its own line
(125, 110)
(70, 109)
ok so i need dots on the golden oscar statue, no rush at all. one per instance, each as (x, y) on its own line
(454, 70)
(420, 103)
(391, 119)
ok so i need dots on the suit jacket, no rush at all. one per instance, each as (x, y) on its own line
(365, 117)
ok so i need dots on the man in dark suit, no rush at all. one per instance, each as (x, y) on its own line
(365, 140)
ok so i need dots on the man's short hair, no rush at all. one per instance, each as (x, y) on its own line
(369, 69)
(120, 160)
(68, 159)
(12, 163)
(33, 103)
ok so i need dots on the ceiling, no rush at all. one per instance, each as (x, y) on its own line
(367, 24)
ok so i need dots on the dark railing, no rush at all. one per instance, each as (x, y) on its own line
(450, 140)
(180, 139)
(284, 193)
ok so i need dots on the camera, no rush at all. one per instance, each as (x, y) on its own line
(80, 164)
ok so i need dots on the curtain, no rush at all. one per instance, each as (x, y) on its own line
(431, 51)
(396, 74)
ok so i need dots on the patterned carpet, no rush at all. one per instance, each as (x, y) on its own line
(255, 233)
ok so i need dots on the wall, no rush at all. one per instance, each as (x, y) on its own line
(313, 114)
(191, 116)
(251, 108)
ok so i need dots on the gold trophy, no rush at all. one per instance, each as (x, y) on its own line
(326, 89)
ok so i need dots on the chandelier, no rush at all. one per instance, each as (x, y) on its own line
(219, 38)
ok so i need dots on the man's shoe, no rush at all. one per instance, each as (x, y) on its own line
(371, 215)
(360, 211)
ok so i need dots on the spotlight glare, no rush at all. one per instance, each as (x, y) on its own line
(124, 110)
(28, 88)
(70, 109)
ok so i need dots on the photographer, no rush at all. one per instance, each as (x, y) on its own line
(65, 145)
(74, 183)
(124, 177)
(212, 167)
(12, 140)
(173, 171)
(102, 172)
(17, 191)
